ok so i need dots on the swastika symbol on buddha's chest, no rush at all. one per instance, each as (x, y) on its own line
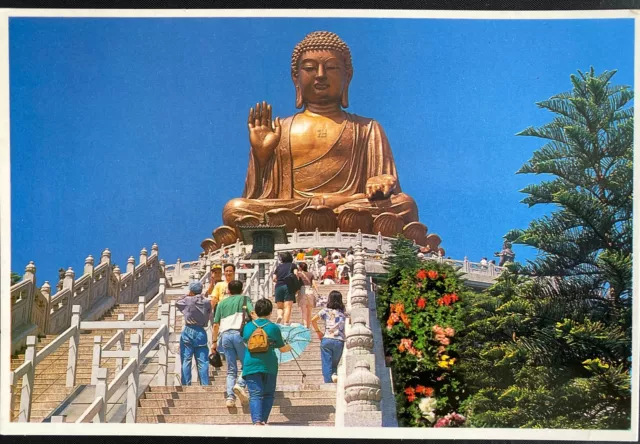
(322, 132)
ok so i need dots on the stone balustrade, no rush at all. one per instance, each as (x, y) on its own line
(35, 311)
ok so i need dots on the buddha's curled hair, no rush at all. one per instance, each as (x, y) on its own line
(321, 41)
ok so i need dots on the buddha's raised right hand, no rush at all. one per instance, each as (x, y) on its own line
(264, 133)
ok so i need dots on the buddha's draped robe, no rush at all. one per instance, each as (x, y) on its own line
(360, 152)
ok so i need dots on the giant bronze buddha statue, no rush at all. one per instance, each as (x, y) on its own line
(321, 168)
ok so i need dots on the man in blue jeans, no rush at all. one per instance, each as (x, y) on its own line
(228, 324)
(196, 310)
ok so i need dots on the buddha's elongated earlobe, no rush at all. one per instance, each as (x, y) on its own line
(344, 100)
(299, 101)
(345, 97)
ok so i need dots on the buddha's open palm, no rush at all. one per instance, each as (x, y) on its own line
(264, 133)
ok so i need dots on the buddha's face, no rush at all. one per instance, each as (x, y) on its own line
(322, 76)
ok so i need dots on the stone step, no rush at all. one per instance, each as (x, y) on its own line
(195, 392)
(219, 401)
(303, 419)
(310, 410)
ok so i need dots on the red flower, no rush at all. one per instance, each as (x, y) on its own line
(432, 274)
(429, 391)
(411, 394)
(422, 390)
(421, 274)
(421, 303)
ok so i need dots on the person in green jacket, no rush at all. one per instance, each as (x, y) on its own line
(260, 370)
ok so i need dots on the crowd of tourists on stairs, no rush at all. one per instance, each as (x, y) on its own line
(245, 334)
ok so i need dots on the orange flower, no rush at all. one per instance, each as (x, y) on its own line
(449, 332)
(411, 394)
(421, 274)
(401, 348)
(432, 274)
(426, 391)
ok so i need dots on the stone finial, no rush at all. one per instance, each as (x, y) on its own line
(362, 389)
(30, 268)
(143, 256)
(105, 256)
(131, 264)
(89, 261)
(154, 248)
(162, 263)
(46, 290)
(116, 271)
(360, 338)
(69, 277)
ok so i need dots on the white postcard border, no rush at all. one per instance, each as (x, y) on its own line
(7, 427)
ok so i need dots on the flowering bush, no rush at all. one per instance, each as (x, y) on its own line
(420, 306)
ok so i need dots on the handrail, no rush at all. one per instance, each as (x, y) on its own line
(153, 301)
(114, 340)
(153, 341)
(119, 379)
(91, 411)
(22, 370)
(126, 325)
(53, 345)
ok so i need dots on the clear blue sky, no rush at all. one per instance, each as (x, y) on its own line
(126, 132)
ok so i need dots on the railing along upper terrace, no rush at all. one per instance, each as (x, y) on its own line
(35, 311)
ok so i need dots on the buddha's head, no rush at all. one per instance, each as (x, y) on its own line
(321, 69)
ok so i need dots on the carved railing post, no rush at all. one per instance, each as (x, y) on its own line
(172, 317)
(132, 382)
(154, 249)
(30, 275)
(362, 394)
(316, 235)
(143, 255)
(163, 348)
(131, 269)
(97, 357)
(359, 237)
(46, 294)
(465, 265)
(120, 344)
(88, 269)
(295, 235)
(74, 342)
(69, 282)
(338, 235)
(118, 277)
(105, 257)
(162, 289)
(141, 304)
(177, 271)
(28, 380)
(360, 338)
(101, 392)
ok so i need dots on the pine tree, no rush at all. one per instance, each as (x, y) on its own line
(550, 344)
(15, 278)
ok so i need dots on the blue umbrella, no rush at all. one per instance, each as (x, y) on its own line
(298, 337)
